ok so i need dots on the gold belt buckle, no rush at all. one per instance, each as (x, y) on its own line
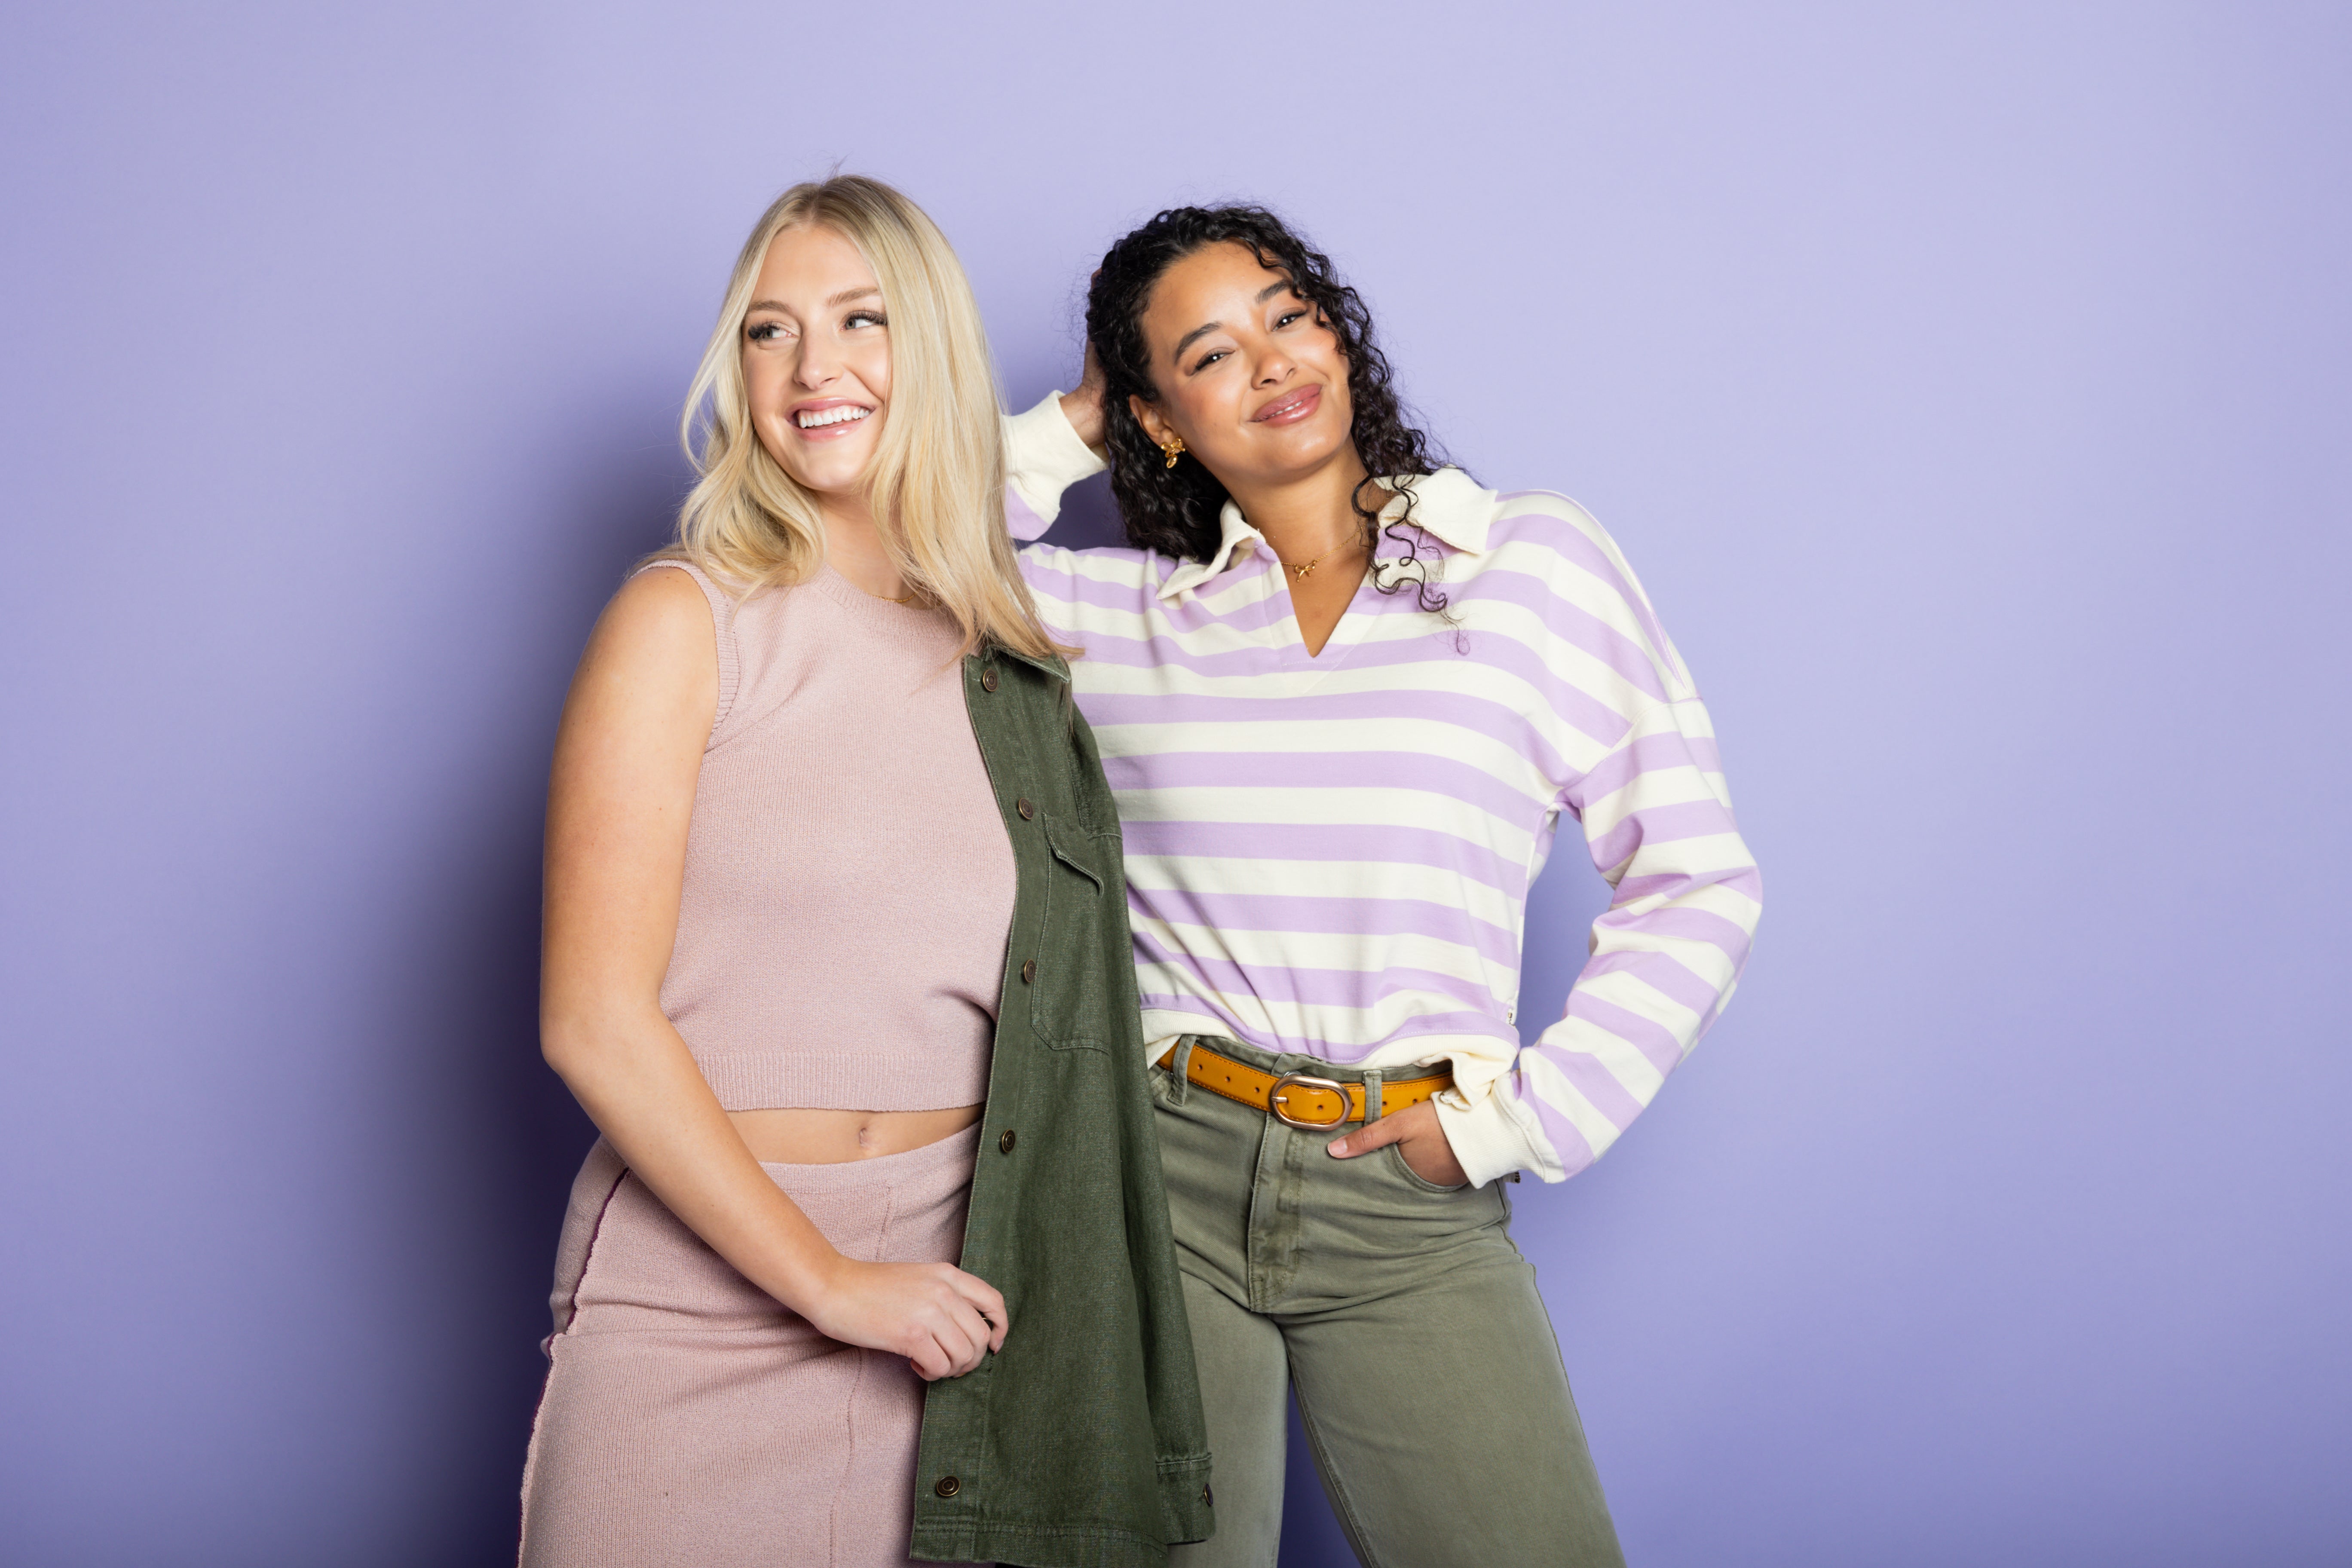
(1274, 1100)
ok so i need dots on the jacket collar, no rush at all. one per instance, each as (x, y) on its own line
(1448, 505)
(1053, 666)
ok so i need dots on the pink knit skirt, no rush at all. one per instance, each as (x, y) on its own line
(690, 1418)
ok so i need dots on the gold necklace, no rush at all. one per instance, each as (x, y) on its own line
(1299, 574)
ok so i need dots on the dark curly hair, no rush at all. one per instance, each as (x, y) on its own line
(1175, 510)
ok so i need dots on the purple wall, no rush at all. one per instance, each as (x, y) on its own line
(1971, 389)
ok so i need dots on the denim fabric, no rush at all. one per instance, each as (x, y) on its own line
(1430, 1383)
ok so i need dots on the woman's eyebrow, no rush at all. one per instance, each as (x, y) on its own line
(1280, 286)
(843, 297)
(1202, 330)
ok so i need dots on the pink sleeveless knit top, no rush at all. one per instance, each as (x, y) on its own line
(848, 880)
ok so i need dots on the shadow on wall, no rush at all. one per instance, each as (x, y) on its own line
(502, 1136)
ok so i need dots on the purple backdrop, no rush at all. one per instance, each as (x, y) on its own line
(1970, 390)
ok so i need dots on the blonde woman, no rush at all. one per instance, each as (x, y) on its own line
(836, 957)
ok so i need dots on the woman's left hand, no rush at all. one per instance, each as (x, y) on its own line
(1419, 1138)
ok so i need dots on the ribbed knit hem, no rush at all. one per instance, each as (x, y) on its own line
(848, 1080)
(906, 1167)
(1042, 458)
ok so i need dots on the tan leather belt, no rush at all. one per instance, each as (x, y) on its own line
(1295, 1098)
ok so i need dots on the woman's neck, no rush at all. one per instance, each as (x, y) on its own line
(1309, 515)
(853, 547)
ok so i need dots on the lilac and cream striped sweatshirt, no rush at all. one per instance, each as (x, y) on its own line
(1331, 855)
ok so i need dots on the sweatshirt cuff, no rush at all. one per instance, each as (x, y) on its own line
(1487, 1138)
(1042, 458)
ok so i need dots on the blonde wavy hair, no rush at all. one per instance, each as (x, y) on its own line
(936, 483)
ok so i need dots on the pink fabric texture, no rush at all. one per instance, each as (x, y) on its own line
(848, 881)
(690, 1418)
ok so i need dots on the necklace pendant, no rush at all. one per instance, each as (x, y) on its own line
(1299, 574)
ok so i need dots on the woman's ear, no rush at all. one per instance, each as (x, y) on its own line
(1147, 415)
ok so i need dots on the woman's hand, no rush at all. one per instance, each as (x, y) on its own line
(1083, 408)
(940, 1318)
(1419, 1138)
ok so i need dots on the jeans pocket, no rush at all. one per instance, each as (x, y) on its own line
(1395, 1151)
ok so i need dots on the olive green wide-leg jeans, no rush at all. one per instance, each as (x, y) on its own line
(1429, 1379)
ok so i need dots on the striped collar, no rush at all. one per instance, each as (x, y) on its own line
(1448, 505)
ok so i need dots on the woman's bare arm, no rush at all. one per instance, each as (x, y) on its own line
(627, 756)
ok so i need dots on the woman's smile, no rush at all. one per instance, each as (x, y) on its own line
(828, 419)
(1291, 408)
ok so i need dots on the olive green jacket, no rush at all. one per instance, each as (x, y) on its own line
(1082, 1441)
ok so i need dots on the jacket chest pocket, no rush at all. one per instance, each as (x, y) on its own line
(1069, 999)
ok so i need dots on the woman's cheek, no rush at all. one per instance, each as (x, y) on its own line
(1203, 408)
(873, 371)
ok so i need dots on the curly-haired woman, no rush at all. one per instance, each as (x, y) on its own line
(1345, 695)
(831, 887)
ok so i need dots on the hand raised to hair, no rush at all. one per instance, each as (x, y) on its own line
(942, 1320)
(1083, 408)
(1419, 1139)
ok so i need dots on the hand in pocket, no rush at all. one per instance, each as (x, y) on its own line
(1420, 1140)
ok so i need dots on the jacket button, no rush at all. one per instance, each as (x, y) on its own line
(1024, 808)
(987, 683)
(1029, 972)
(1004, 1144)
(948, 1486)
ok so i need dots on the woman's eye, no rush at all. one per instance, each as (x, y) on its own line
(1209, 359)
(766, 331)
(865, 318)
(1286, 318)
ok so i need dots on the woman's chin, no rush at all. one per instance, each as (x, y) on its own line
(1296, 452)
(832, 473)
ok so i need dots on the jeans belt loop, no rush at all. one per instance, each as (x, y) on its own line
(1371, 1096)
(1180, 1081)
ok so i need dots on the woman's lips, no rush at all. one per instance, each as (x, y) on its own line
(1289, 408)
(837, 417)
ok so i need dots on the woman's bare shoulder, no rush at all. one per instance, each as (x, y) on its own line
(659, 608)
(656, 642)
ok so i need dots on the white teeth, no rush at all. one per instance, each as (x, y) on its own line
(834, 416)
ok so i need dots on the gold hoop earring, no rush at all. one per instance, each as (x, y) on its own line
(1173, 448)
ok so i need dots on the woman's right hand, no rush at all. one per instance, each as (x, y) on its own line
(942, 1320)
(1084, 408)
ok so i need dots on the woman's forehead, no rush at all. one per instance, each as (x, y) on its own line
(1211, 282)
(1228, 264)
(813, 255)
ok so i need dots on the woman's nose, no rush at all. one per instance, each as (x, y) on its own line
(817, 366)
